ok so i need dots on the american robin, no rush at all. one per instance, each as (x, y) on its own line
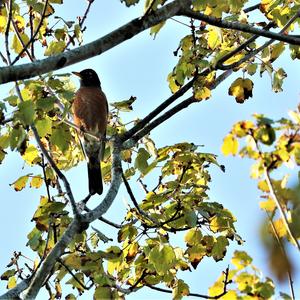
(90, 111)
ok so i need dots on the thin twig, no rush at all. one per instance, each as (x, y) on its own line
(157, 111)
(45, 177)
(6, 35)
(74, 276)
(220, 64)
(280, 208)
(31, 41)
(285, 255)
(275, 197)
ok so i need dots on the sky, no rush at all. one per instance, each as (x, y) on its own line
(139, 67)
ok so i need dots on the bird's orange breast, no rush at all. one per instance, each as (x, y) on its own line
(90, 110)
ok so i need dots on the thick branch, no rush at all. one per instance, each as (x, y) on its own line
(46, 267)
(241, 27)
(97, 47)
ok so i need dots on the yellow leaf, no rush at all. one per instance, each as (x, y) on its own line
(20, 22)
(230, 145)
(36, 182)
(31, 155)
(12, 282)
(20, 183)
(202, 93)
(2, 23)
(241, 89)
(16, 44)
(214, 37)
(268, 205)
(280, 228)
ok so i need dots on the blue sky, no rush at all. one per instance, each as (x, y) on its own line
(139, 67)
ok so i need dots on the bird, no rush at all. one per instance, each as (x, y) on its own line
(90, 112)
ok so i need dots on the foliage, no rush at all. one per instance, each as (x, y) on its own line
(175, 178)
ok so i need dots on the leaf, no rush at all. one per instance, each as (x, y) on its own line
(16, 44)
(7, 274)
(219, 249)
(155, 29)
(12, 282)
(181, 289)
(280, 228)
(214, 37)
(55, 47)
(195, 254)
(241, 89)
(230, 145)
(277, 81)
(61, 137)
(241, 260)
(36, 182)
(125, 105)
(102, 292)
(31, 155)
(20, 183)
(56, 1)
(141, 160)
(268, 205)
(130, 2)
(163, 258)
(193, 237)
(44, 127)
(26, 112)
(202, 93)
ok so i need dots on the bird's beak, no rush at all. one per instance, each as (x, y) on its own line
(77, 74)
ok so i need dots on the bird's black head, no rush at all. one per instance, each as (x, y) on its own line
(88, 77)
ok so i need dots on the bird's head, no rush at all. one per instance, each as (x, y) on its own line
(88, 77)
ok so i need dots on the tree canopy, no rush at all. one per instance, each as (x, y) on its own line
(229, 41)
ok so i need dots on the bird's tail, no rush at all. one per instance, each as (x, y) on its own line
(95, 176)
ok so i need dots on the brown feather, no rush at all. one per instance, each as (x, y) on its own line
(90, 111)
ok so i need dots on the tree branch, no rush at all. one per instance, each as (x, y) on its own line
(220, 64)
(241, 27)
(97, 47)
(157, 110)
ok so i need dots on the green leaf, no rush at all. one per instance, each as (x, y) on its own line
(278, 77)
(241, 260)
(7, 274)
(45, 104)
(55, 47)
(56, 1)
(193, 237)
(163, 258)
(26, 112)
(44, 127)
(125, 105)
(61, 137)
(180, 290)
(130, 2)
(141, 160)
(219, 249)
(155, 29)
